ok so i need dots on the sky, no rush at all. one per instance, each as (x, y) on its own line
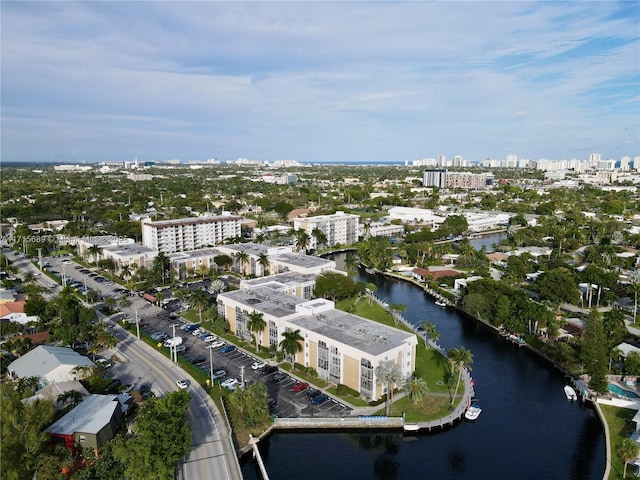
(361, 81)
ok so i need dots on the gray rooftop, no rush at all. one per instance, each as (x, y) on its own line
(265, 300)
(130, 249)
(289, 279)
(194, 254)
(301, 260)
(89, 417)
(251, 248)
(41, 360)
(357, 332)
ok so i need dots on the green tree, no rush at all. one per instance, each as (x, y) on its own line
(351, 264)
(632, 363)
(23, 439)
(242, 258)
(388, 374)
(256, 325)
(94, 251)
(593, 352)
(199, 300)
(459, 358)
(417, 389)
(265, 263)
(291, 344)
(302, 240)
(430, 330)
(334, 286)
(628, 451)
(161, 438)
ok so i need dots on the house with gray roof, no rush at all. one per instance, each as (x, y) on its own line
(51, 364)
(92, 423)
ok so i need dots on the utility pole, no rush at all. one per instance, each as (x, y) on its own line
(40, 258)
(211, 366)
(137, 325)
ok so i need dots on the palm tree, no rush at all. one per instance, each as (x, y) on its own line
(126, 271)
(628, 451)
(430, 330)
(416, 388)
(396, 309)
(74, 396)
(634, 278)
(94, 251)
(291, 344)
(242, 258)
(459, 358)
(161, 264)
(351, 264)
(263, 261)
(159, 298)
(256, 325)
(320, 237)
(202, 270)
(199, 300)
(388, 374)
(124, 301)
(302, 240)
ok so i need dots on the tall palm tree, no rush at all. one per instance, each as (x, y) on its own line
(73, 397)
(320, 237)
(351, 264)
(634, 278)
(459, 357)
(161, 265)
(264, 262)
(430, 330)
(291, 344)
(242, 258)
(256, 325)
(199, 300)
(94, 251)
(202, 270)
(126, 271)
(628, 451)
(416, 388)
(388, 374)
(302, 240)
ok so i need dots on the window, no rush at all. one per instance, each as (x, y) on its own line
(82, 439)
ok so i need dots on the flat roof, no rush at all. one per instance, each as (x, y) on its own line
(191, 220)
(90, 416)
(265, 300)
(129, 249)
(251, 248)
(289, 279)
(194, 254)
(357, 332)
(301, 260)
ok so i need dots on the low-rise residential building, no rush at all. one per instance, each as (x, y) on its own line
(343, 348)
(14, 312)
(51, 364)
(91, 424)
(293, 283)
(131, 255)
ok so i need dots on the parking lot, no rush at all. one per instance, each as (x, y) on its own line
(162, 323)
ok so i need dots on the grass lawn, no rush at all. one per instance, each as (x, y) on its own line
(431, 408)
(619, 426)
(191, 315)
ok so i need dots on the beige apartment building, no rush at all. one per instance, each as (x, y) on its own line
(343, 348)
(339, 229)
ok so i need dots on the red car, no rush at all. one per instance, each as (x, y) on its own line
(299, 387)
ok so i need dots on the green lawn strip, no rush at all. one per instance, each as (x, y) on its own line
(191, 316)
(311, 380)
(430, 408)
(618, 420)
(355, 401)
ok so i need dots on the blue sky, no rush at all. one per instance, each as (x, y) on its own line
(319, 81)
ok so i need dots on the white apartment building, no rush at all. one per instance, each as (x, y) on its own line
(434, 177)
(186, 234)
(340, 228)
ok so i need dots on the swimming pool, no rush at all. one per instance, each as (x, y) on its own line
(622, 392)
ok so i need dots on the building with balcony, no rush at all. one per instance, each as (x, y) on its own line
(339, 229)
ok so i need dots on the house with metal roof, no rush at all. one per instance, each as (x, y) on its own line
(92, 423)
(51, 364)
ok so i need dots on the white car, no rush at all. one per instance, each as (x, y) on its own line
(216, 344)
(210, 338)
(101, 362)
(230, 383)
(258, 365)
(182, 384)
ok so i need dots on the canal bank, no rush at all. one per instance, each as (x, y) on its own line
(525, 418)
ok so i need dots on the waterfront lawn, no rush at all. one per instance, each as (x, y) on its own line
(371, 310)
(430, 408)
(619, 422)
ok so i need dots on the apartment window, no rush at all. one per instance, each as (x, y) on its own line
(82, 438)
(366, 378)
(273, 334)
(323, 359)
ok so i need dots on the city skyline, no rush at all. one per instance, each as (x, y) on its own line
(319, 82)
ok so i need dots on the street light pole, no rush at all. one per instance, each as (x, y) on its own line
(211, 366)
(137, 325)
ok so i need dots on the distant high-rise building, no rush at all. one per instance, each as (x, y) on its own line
(512, 160)
(625, 163)
(594, 158)
(442, 161)
(435, 177)
(636, 163)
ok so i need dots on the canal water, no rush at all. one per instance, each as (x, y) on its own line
(527, 430)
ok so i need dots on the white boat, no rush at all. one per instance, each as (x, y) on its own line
(570, 393)
(472, 413)
(411, 427)
(441, 304)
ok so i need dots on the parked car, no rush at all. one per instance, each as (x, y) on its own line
(319, 399)
(257, 365)
(227, 349)
(101, 362)
(300, 387)
(210, 338)
(230, 383)
(219, 374)
(269, 369)
(182, 384)
(181, 348)
(271, 402)
(278, 377)
(216, 344)
(312, 393)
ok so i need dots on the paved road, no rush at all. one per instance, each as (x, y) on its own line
(213, 455)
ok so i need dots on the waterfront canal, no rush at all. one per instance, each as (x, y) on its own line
(527, 430)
